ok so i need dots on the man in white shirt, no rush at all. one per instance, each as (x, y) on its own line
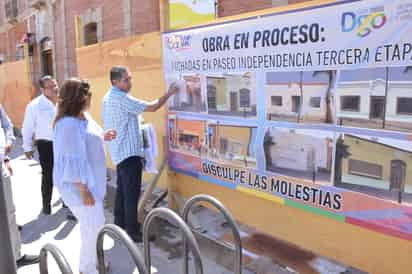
(37, 126)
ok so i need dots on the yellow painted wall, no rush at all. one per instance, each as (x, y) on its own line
(377, 154)
(16, 90)
(373, 252)
(362, 248)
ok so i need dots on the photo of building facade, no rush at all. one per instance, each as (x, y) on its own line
(299, 97)
(189, 97)
(379, 98)
(377, 166)
(187, 136)
(232, 95)
(298, 153)
(233, 145)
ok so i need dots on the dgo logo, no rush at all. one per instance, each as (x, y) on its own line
(178, 42)
(364, 24)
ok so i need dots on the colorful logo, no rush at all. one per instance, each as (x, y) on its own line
(363, 23)
(178, 42)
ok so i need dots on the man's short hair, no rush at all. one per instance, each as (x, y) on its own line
(116, 73)
(45, 78)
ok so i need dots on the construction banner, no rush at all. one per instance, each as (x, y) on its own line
(309, 108)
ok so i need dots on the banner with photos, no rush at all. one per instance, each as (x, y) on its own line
(309, 108)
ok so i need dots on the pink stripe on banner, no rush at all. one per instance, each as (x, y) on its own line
(379, 228)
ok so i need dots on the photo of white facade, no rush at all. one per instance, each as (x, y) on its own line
(189, 98)
(232, 94)
(299, 97)
(299, 153)
(378, 98)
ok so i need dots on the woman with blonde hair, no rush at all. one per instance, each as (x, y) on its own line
(80, 165)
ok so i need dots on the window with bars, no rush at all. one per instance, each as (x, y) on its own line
(315, 102)
(276, 100)
(90, 34)
(244, 97)
(350, 103)
(363, 168)
(404, 105)
(211, 97)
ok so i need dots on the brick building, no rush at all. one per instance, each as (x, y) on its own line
(50, 27)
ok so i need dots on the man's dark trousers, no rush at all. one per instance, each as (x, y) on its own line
(129, 181)
(45, 149)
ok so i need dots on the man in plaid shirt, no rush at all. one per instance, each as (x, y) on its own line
(121, 112)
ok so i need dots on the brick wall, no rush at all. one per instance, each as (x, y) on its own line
(145, 16)
(234, 7)
(11, 36)
(2, 12)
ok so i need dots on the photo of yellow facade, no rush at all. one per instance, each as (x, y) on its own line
(305, 154)
(378, 98)
(189, 98)
(232, 95)
(232, 145)
(301, 97)
(376, 166)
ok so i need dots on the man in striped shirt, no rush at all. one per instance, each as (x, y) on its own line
(121, 112)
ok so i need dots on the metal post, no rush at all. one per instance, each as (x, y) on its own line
(58, 257)
(229, 218)
(188, 236)
(7, 260)
(118, 234)
(148, 192)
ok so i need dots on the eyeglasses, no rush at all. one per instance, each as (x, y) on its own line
(127, 79)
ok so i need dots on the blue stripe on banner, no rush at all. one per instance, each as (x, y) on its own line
(342, 129)
(185, 172)
(223, 120)
(217, 182)
(205, 178)
(240, 121)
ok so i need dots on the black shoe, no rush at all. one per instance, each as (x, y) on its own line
(27, 260)
(139, 239)
(71, 217)
(46, 210)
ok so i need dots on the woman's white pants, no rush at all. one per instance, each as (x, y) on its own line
(91, 220)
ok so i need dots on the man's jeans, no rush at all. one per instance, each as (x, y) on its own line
(129, 181)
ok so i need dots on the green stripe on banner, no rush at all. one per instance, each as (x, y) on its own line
(315, 210)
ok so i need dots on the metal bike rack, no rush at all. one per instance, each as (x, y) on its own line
(58, 257)
(188, 236)
(117, 233)
(229, 218)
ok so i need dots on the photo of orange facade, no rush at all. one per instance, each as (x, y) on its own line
(232, 145)
(187, 136)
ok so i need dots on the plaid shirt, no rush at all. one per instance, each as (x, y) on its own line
(121, 112)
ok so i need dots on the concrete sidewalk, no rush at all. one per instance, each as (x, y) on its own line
(39, 229)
